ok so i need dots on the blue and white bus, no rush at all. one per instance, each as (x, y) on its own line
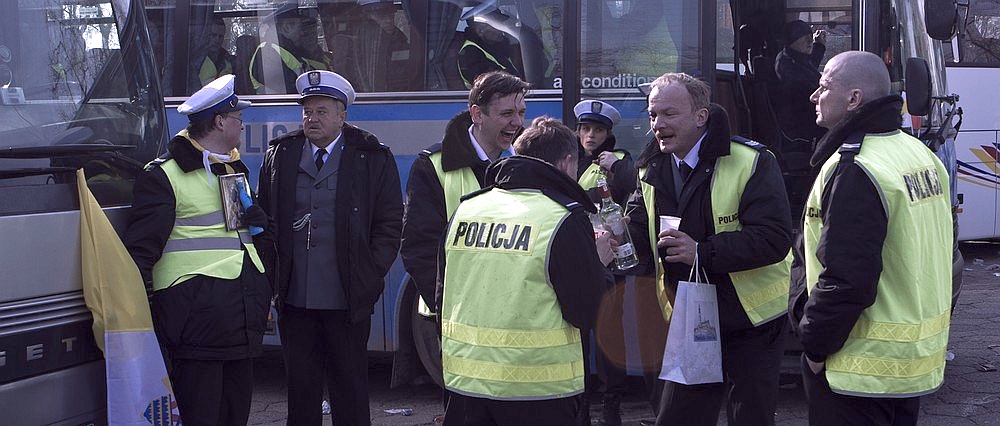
(404, 58)
(95, 83)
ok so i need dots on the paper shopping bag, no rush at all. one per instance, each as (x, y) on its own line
(693, 352)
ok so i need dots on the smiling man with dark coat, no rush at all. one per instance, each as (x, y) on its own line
(734, 218)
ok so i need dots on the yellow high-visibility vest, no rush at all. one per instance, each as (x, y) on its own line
(199, 243)
(763, 291)
(897, 347)
(503, 333)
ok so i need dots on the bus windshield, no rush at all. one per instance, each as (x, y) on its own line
(75, 89)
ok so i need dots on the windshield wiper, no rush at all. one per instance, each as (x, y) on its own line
(35, 171)
(59, 151)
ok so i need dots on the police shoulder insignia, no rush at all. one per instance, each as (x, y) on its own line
(748, 142)
(156, 162)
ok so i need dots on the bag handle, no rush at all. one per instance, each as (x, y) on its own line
(700, 274)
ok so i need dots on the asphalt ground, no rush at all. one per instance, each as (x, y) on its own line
(970, 394)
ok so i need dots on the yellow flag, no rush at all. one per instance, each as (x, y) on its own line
(139, 391)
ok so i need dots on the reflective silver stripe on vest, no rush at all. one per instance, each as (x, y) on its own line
(245, 237)
(208, 219)
(191, 244)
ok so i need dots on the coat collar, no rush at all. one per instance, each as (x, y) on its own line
(715, 144)
(457, 151)
(878, 116)
(520, 172)
(187, 156)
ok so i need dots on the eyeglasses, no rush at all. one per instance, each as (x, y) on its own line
(240, 119)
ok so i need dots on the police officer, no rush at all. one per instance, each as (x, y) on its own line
(730, 197)
(446, 171)
(875, 256)
(210, 296)
(595, 121)
(334, 193)
(522, 276)
(598, 159)
(218, 61)
(456, 166)
(285, 53)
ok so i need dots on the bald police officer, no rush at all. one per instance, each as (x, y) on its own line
(335, 195)
(210, 296)
(875, 269)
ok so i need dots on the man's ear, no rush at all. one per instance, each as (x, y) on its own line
(701, 117)
(856, 99)
(477, 113)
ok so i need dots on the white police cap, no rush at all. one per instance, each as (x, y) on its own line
(216, 97)
(325, 83)
(597, 112)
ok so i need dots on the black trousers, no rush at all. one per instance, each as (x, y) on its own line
(323, 347)
(470, 411)
(610, 339)
(751, 361)
(829, 408)
(213, 392)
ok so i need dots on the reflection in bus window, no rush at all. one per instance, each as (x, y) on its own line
(376, 47)
(979, 39)
(489, 45)
(216, 61)
(429, 45)
(68, 86)
(289, 47)
(632, 42)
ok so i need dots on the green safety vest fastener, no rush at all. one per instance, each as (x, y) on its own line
(503, 335)
(199, 243)
(763, 291)
(588, 179)
(455, 184)
(897, 347)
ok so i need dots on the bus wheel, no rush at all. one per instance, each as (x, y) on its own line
(427, 343)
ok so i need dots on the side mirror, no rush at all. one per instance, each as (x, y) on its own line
(940, 18)
(918, 86)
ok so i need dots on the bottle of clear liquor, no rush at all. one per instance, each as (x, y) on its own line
(612, 216)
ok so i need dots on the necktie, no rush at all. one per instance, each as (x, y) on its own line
(319, 158)
(685, 170)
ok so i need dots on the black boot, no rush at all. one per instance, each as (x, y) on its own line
(612, 413)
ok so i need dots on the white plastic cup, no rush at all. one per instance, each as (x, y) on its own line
(669, 222)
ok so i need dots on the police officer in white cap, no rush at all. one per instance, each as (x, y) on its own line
(334, 193)
(598, 159)
(598, 156)
(210, 296)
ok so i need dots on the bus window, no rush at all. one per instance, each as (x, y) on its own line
(375, 46)
(979, 38)
(626, 43)
(72, 99)
(834, 17)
